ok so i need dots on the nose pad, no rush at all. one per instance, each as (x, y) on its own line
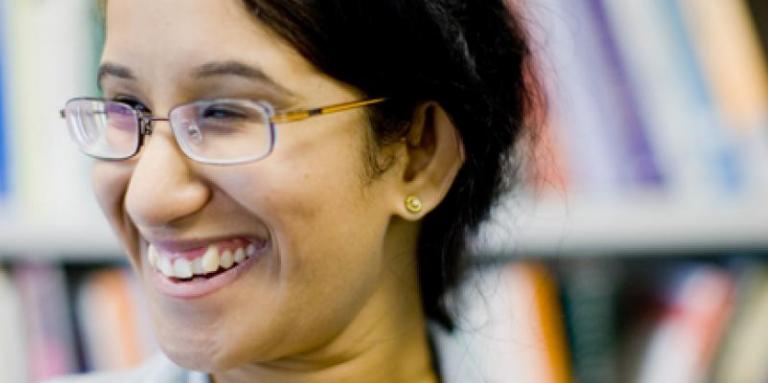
(193, 132)
(165, 185)
(146, 125)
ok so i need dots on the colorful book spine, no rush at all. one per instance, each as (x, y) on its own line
(114, 334)
(510, 328)
(576, 117)
(607, 77)
(726, 43)
(744, 350)
(549, 317)
(683, 343)
(717, 149)
(616, 93)
(49, 330)
(654, 96)
(686, 135)
(13, 345)
(590, 303)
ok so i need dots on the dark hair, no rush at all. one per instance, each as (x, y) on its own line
(471, 57)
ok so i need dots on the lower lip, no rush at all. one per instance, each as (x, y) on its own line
(199, 287)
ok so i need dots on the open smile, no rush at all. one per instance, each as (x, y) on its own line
(194, 272)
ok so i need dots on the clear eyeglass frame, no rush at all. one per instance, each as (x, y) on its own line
(114, 131)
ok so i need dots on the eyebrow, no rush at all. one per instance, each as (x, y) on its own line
(110, 69)
(207, 70)
(239, 69)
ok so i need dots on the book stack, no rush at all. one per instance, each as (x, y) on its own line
(599, 320)
(13, 348)
(57, 321)
(663, 97)
(581, 320)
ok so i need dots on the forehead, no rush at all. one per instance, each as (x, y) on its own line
(163, 41)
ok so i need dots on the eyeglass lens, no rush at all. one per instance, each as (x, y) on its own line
(216, 131)
(223, 131)
(103, 129)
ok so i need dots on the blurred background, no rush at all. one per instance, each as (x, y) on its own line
(634, 248)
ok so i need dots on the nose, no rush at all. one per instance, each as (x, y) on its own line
(164, 187)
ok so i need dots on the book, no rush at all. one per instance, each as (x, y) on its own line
(588, 132)
(113, 323)
(590, 291)
(729, 49)
(688, 137)
(49, 331)
(696, 304)
(745, 347)
(510, 328)
(617, 94)
(12, 342)
(727, 45)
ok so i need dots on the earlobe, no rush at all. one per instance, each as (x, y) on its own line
(434, 154)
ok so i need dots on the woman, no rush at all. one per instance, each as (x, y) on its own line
(294, 182)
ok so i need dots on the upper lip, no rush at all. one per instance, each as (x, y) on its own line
(177, 245)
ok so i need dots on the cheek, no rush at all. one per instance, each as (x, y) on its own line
(110, 181)
(312, 193)
(316, 201)
(327, 229)
(321, 220)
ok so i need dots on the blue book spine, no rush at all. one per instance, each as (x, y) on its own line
(4, 126)
(715, 147)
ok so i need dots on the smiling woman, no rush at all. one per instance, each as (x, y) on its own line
(295, 182)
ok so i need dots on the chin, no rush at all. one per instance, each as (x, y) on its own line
(197, 357)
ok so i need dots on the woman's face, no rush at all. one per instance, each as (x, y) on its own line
(314, 225)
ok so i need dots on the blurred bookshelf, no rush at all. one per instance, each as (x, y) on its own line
(73, 241)
(647, 188)
(647, 225)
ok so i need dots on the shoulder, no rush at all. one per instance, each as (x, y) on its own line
(158, 369)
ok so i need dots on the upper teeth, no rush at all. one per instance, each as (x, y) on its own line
(209, 262)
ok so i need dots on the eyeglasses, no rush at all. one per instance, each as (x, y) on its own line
(218, 132)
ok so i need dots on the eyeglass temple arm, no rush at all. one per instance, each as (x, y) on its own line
(302, 114)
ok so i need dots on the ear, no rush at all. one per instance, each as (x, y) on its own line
(432, 154)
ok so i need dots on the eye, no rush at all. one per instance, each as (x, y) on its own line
(133, 103)
(223, 112)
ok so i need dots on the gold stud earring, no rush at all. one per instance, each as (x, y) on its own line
(413, 204)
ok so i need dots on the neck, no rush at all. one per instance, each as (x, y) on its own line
(386, 342)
